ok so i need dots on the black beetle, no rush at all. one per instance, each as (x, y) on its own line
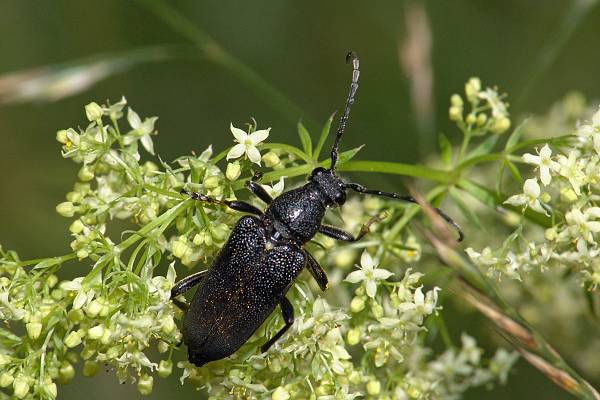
(264, 254)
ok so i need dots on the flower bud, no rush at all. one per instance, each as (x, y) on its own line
(86, 173)
(550, 234)
(471, 119)
(212, 182)
(75, 315)
(163, 346)
(455, 113)
(6, 379)
(20, 387)
(76, 227)
(93, 308)
(280, 394)
(168, 325)
(51, 281)
(353, 336)
(500, 125)
(145, 384)
(66, 209)
(73, 339)
(93, 111)
(180, 247)
(34, 329)
(344, 258)
(233, 171)
(472, 88)
(374, 387)
(357, 304)
(545, 197)
(271, 159)
(481, 119)
(568, 195)
(165, 368)
(95, 332)
(66, 372)
(456, 100)
(275, 365)
(377, 310)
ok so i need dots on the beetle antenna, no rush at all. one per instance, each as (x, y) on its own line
(350, 57)
(361, 189)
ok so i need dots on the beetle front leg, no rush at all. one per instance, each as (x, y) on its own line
(340, 234)
(316, 271)
(288, 316)
(233, 204)
(183, 286)
(259, 191)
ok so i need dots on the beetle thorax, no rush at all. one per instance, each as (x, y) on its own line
(329, 185)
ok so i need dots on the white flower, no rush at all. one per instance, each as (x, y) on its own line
(247, 144)
(495, 102)
(581, 227)
(571, 169)
(368, 273)
(142, 130)
(486, 257)
(276, 189)
(529, 198)
(544, 162)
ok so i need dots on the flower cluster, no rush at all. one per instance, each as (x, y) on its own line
(566, 189)
(373, 343)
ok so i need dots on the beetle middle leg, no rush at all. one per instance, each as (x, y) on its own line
(316, 271)
(236, 205)
(288, 316)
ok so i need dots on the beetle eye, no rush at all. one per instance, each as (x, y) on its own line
(340, 198)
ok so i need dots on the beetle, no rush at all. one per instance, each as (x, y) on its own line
(264, 254)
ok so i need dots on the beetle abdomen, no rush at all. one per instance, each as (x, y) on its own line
(239, 292)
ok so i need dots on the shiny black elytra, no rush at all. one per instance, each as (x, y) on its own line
(263, 256)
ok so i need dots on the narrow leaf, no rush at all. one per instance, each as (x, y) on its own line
(305, 139)
(349, 155)
(500, 178)
(484, 147)
(445, 149)
(323, 137)
(514, 172)
(515, 136)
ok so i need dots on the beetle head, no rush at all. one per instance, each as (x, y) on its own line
(330, 185)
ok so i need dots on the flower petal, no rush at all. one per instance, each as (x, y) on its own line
(259, 136)
(545, 176)
(531, 188)
(133, 118)
(253, 154)
(355, 276)
(379, 273)
(531, 159)
(593, 212)
(148, 144)
(366, 261)
(516, 200)
(545, 152)
(239, 135)
(371, 287)
(236, 151)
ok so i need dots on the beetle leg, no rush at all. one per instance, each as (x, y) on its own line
(259, 191)
(288, 316)
(233, 204)
(316, 271)
(187, 283)
(340, 234)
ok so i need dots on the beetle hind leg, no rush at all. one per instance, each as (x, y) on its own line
(288, 316)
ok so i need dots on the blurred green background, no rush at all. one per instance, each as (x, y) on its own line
(535, 50)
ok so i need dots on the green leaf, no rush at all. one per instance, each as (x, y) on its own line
(415, 171)
(323, 137)
(305, 139)
(484, 147)
(445, 149)
(457, 196)
(514, 172)
(348, 155)
(500, 178)
(515, 136)
(558, 141)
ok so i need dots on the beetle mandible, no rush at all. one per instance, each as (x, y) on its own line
(263, 255)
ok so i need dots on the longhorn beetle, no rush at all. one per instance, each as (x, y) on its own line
(263, 255)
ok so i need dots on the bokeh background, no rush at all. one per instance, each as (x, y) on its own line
(219, 62)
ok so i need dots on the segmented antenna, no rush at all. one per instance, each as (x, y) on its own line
(353, 87)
